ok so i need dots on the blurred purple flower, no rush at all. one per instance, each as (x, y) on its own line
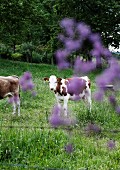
(61, 37)
(111, 144)
(94, 37)
(92, 128)
(118, 110)
(67, 22)
(84, 67)
(68, 25)
(34, 93)
(63, 65)
(109, 75)
(106, 53)
(58, 118)
(83, 29)
(61, 56)
(98, 95)
(26, 82)
(76, 86)
(13, 99)
(55, 118)
(112, 100)
(95, 53)
(69, 148)
(72, 45)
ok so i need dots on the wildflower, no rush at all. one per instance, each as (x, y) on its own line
(76, 86)
(98, 95)
(83, 67)
(72, 45)
(26, 82)
(112, 100)
(111, 144)
(118, 110)
(55, 118)
(91, 127)
(69, 148)
(83, 29)
(14, 99)
(66, 23)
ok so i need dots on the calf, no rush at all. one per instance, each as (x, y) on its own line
(9, 87)
(64, 89)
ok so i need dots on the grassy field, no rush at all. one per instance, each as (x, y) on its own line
(29, 142)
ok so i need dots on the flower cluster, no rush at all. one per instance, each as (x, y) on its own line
(111, 76)
(27, 83)
(14, 99)
(57, 118)
(69, 148)
(92, 128)
(73, 38)
(75, 34)
(111, 144)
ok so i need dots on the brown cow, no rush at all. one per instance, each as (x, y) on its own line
(9, 87)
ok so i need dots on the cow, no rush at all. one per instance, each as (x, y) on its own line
(64, 89)
(9, 87)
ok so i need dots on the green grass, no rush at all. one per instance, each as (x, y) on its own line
(30, 143)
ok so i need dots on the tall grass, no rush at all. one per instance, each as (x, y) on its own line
(28, 141)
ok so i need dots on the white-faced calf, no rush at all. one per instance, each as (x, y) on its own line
(70, 88)
(9, 87)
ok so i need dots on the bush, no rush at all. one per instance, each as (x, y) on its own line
(16, 56)
(5, 51)
(36, 57)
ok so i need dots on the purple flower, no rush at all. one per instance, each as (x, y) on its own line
(66, 23)
(69, 148)
(112, 100)
(84, 67)
(94, 37)
(26, 82)
(61, 56)
(92, 128)
(98, 95)
(63, 65)
(95, 53)
(107, 53)
(13, 99)
(83, 29)
(72, 45)
(111, 144)
(27, 75)
(118, 110)
(55, 118)
(76, 86)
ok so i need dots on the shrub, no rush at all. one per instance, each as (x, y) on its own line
(16, 56)
(5, 51)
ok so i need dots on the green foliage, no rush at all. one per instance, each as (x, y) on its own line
(16, 56)
(37, 22)
(29, 142)
(26, 49)
(4, 51)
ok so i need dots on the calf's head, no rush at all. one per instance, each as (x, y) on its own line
(53, 82)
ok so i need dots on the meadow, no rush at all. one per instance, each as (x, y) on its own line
(29, 141)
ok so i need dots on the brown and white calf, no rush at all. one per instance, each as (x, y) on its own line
(9, 87)
(62, 91)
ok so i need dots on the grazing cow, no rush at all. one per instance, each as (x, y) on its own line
(70, 88)
(9, 87)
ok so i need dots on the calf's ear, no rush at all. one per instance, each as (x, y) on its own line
(46, 79)
(59, 80)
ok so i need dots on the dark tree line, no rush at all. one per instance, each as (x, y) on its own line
(29, 28)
